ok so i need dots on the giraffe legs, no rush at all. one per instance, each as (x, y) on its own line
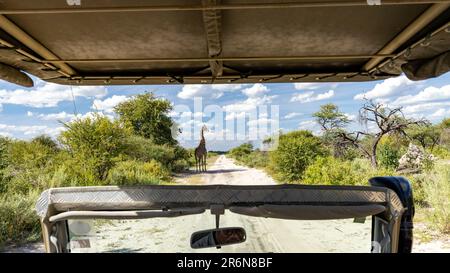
(204, 162)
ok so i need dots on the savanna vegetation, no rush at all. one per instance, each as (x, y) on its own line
(135, 148)
(394, 145)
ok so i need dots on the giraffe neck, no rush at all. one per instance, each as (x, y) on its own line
(202, 136)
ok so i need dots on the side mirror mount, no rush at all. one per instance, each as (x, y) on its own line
(218, 237)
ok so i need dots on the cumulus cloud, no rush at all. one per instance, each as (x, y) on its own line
(249, 104)
(309, 125)
(215, 91)
(311, 96)
(49, 94)
(56, 116)
(350, 116)
(256, 90)
(108, 104)
(292, 115)
(307, 85)
(441, 113)
(387, 88)
(428, 94)
(29, 131)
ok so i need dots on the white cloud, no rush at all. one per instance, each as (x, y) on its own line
(424, 107)
(387, 88)
(227, 87)
(441, 113)
(248, 104)
(350, 116)
(428, 94)
(310, 125)
(29, 130)
(215, 91)
(234, 115)
(91, 115)
(6, 134)
(56, 116)
(49, 94)
(29, 114)
(256, 90)
(310, 96)
(108, 104)
(292, 115)
(307, 85)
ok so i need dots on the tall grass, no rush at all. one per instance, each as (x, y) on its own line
(18, 220)
(437, 195)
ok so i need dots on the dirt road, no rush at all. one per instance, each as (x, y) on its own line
(263, 235)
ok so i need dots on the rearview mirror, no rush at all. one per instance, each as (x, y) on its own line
(218, 237)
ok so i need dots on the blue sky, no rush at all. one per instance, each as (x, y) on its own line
(28, 112)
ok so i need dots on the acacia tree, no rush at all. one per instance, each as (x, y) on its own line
(427, 136)
(383, 120)
(330, 118)
(333, 123)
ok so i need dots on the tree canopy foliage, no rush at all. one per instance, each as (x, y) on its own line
(148, 116)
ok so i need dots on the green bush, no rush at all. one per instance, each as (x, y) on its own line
(18, 220)
(138, 173)
(244, 154)
(241, 150)
(95, 140)
(173, 157)
(441, 152)
(331, 171)
(29, 166)
(256, 159)
(437, 195)
(388, 156)
(73, 172)
(295, 152)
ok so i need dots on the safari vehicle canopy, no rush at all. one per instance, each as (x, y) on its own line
(109, 42)
(211, 41)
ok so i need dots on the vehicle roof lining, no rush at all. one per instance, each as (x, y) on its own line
(282, 200)
(112, 42)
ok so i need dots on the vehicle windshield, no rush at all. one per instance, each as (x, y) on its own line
(263, 235)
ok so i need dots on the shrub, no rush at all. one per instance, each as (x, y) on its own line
(245, 155)
(29, 167)
(138, 173)
(295, 152)
(388, 156)
(18, 220)
(73, 172)
(46, 141)
(331, 171)
(96, 140)
(441, 152)
(241, 150)
(437, 195)
(173, 157)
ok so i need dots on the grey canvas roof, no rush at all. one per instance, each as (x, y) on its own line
(230, 41)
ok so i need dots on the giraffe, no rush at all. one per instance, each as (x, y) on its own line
(200, 152)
